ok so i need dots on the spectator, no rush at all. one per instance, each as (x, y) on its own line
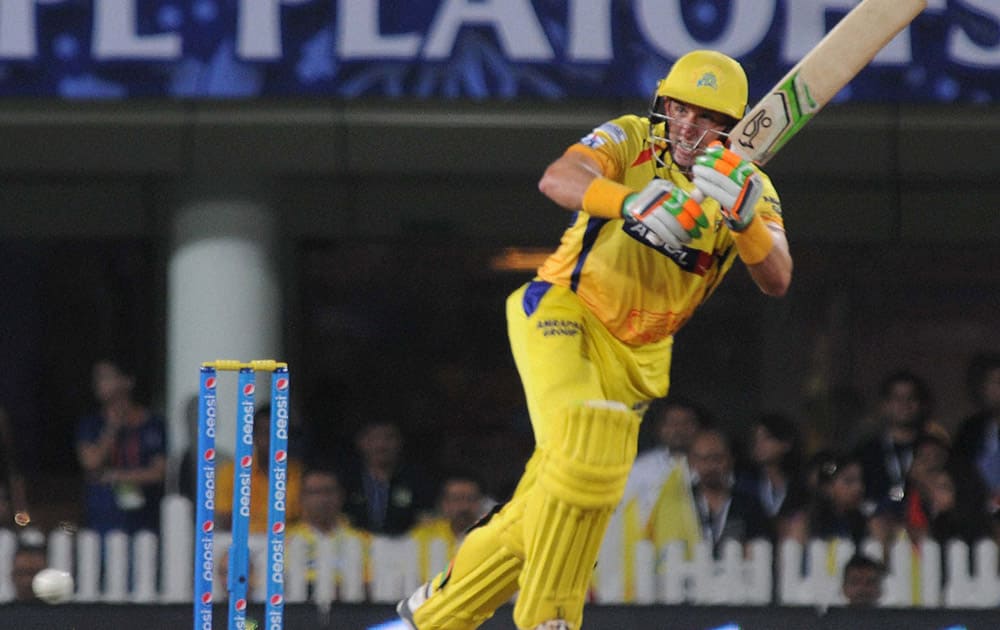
(122, 451)
(385, 493)
(834, 510)
(863, 579)
(674, 422)
(929, 509)
(461, 503)
(938, 507)
(930, 455)
(29, 558)
(774, 474)
(713, 510)
(813, 468)
(950, 512)
(885, 457)
(322, 503)
(259, 483)
(977, 441)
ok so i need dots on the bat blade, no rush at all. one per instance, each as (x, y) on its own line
(818, 76)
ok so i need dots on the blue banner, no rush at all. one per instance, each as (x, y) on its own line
(468, 49)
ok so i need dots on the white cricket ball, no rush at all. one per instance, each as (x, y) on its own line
(52, 585)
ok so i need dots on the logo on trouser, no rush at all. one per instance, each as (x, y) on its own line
(559, 327)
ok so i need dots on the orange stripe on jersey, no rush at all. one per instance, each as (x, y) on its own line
(643, 157)
(646, 155)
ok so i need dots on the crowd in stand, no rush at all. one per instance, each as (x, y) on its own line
(695, 481)
(910, 477)
(121, 450)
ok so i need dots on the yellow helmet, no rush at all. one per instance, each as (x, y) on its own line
(707, 79)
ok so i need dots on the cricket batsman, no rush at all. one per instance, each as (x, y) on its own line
(663, 209)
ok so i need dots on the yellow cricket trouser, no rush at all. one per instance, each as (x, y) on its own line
(565, 356)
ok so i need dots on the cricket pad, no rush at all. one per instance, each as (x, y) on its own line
(580, 480)
(484, 572)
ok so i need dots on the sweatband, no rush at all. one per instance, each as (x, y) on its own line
(605, 197)
(755, 242)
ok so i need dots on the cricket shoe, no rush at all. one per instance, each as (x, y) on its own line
(407, 607)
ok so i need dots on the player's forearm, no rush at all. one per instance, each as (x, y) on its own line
(566, 180)
(773, 274)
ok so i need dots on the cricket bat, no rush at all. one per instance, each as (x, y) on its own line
(817, 78)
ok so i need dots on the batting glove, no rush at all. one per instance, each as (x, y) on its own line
(671, 217)
(730, 180)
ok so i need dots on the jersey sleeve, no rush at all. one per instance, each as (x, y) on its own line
(615, 144)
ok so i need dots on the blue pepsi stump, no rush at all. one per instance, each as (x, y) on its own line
(277, 499)
(237, 579)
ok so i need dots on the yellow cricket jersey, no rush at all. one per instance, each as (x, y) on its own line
(641, 293)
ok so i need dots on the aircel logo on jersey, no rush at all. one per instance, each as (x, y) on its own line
(564, 327)
(594, 139)
(687, 258)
